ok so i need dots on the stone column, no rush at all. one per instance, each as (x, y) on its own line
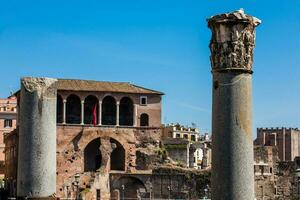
(232, 45)
(37, 139)
(82, 112)
(135, 123)
(118, 114)
(64, 110)
(100, 113)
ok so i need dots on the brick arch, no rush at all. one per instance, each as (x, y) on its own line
(89, 135)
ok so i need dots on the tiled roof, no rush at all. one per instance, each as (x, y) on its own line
(102, 86)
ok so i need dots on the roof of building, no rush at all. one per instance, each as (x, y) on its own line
(103, 86)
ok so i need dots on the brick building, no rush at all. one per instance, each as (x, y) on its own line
(100, 127)
(287, 140)
(8, 115)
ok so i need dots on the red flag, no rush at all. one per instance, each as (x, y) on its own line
(95, 115)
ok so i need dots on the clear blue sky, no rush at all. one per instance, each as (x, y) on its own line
(162, 45)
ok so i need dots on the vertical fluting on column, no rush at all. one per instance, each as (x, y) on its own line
(37, 138)
(232, 44)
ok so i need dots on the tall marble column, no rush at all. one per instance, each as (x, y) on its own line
(232, 45)
(37, 139)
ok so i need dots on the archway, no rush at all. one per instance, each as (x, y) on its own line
(109, 111)
(129, 187)
(117, 157)
(144, 120)
(91, 108)
(73, 110)
(126, 112)
(59, 109)
(92, 156)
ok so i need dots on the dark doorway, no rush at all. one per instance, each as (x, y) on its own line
(109, 111)
(126, 112)
(91, 108)
(92, 156)
(144, 119)
(59, 109)
(129, 187)
(73, 110)
(117, 158)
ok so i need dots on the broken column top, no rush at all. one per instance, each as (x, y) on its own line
(232, 42)
(235, 16)
(45, 86)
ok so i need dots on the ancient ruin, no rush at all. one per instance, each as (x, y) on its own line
(232, 45)
(37, 138)
(105, 141)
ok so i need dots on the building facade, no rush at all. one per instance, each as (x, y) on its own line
(100, 128)
(8, 116)
(178, 131)
(287, 140)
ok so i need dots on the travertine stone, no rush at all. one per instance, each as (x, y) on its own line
(37, 139)
(231, 45)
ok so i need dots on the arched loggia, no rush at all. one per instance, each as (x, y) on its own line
(59, 109)
(109, 111)
(73, 110)
(126, 112)
(91, 109)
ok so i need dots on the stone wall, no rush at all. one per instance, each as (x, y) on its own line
(72, 141)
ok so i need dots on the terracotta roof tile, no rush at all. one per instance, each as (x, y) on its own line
(102, 86)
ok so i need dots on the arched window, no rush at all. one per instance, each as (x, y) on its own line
(73, 111)
(144, 119)
(91, 107)
(59, 109)
(117, 157)
(126, 112)
(109, 111)
(92, 156)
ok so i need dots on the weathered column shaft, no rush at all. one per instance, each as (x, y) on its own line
(37, 138)
(232, 44)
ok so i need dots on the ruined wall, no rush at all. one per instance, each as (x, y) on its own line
(71, 142)
(274, 179)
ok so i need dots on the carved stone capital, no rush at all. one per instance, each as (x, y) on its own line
(232, 42)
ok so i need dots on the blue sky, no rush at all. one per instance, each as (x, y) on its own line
(161, 45)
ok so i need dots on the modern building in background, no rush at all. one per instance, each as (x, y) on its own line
(179, 131)
(287, 140)
(187, 146)
(8, 117)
